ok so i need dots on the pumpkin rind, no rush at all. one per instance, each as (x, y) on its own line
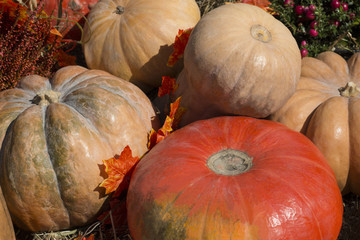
(52, 145)
(239, 60)
(289, 192)
(6, 225)
(135, 42)
(330, 120)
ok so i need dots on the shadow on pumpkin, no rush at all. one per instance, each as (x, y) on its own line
(149, 76)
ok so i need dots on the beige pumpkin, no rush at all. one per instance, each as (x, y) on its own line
(326, 108)
(239, 60)
(133, 39)
(54, 135)
(6, 225)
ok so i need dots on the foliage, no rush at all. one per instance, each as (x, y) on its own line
(321, 25)
(29, 44)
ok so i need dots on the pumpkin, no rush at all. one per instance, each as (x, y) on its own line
(239, 60)
(326, 107)
(6, 225)
(54, 135)
(133, 39)
(234, 177)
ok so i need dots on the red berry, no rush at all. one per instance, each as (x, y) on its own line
(313, 24)
(299, 10)
(310, 15)
(345, 6)
(352, 16)
(312, 8)
(289, 3)
(303, 43)
(336, 23)
(304, 52)
(313, 32)
(335, 4)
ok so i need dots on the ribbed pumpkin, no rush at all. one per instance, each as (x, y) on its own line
(239, 60)
(234, 178)
(55, 134)
(6, 225)
(133, 39)
(326, 108)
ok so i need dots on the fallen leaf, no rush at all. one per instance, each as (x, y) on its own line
(168, 86)
(181, 40)
(117, 168)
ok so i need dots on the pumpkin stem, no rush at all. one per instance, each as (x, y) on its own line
(229, 162)
(119, 10)
(46, 97)
(260, 33)
(350, 90)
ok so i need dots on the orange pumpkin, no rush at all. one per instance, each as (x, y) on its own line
(326, 108)
(133, 39)
(234, 178)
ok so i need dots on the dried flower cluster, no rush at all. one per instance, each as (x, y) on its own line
(28, 44)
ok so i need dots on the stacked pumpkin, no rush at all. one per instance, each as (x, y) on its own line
(222, 178)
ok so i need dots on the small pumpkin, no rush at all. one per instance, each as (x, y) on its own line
(239, 60)
(234, 178)
(54, 134)
(6, 225)
(133, 39)
(326, 107)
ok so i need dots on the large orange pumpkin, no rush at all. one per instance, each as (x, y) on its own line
(133, 39)
(239, 60)
(326, 108)
(234, 178)
(55, 133)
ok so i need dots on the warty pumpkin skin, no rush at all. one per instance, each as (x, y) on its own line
(6, 225)
(133, 39)
(234, 178)
(326, 108)
(55, 134)
(239, 60)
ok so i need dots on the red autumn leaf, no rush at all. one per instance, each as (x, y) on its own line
(176, 112)
(181, 40)
(171, 122)
(117, 168)
(65, 59)
(168, 86)
(91, 237)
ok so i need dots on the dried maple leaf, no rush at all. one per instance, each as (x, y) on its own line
(181, 40)
(65, 59)
(168, 86)
(117, 168)
(171, 122)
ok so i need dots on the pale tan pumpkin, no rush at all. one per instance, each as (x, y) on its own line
(133, 39)
(55, 133)
(6, 225)
(239, 60)
(326, 108)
